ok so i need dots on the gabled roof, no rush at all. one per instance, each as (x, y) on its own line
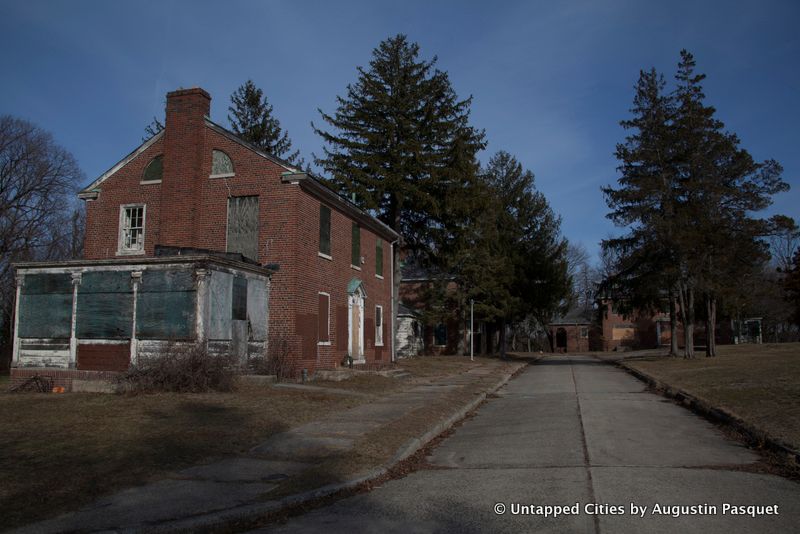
(236, 139)
(404, 310)
(90, 191)
(574, 315)
(356, 285)
(293, 174)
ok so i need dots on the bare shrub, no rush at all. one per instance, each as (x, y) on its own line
(277, 362)
(180, 369)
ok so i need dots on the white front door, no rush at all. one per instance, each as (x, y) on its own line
(356, 314)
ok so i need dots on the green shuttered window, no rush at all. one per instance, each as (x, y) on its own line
(356, 248)
(325, 230)
(379, 257)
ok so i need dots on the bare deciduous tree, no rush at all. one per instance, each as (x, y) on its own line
(38, 216)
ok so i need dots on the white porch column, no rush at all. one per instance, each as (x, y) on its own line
(20, 280)
(136, 280)
(201, 306)
(73, 339)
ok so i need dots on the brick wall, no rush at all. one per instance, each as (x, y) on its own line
(189, 209)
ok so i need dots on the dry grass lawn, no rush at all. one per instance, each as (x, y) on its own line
(758, 383)
(59, 452)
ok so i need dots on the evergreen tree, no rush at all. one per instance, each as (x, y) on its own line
(509, 256)
(719, 185)
(252, 120)
(401, 143)
(647, 257)
(687, 192)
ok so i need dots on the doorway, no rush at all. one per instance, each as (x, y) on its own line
(355, 345)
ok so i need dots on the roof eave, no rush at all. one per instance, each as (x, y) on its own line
(313, 186)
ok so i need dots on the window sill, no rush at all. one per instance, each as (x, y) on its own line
(379, 344)
(227, 175)
(356, 267)
(130, 253)
(150, 182)
(379, 277)
(326, 256)
(323, 343)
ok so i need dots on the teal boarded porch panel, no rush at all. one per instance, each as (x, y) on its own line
(105, 305)
(45, 307)
(165, 306)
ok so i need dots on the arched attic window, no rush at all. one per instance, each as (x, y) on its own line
(221, 164)
(154, 170)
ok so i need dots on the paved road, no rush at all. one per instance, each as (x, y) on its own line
(571, 430)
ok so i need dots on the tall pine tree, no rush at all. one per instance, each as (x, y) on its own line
(401, 143)
(252, 120)
(687, 192)
(720, 186)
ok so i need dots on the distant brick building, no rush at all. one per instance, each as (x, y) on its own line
(196, 185)
(575, 331)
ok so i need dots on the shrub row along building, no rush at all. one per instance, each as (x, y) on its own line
(199, 236)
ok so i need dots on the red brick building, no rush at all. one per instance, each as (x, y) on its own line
(196, 185)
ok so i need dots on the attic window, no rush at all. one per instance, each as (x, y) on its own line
(221, 164)
(154, 170)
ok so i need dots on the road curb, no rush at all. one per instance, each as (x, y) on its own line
(757, 437)
(218, 521)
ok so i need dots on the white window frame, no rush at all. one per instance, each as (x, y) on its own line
(378, 329)
(326, 343)
(121, 249)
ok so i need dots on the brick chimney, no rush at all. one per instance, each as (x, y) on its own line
(184, 154)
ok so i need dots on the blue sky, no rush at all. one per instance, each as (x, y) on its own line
(550, 80)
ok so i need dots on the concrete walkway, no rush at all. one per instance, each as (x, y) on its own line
(572, 430)
(215, 493)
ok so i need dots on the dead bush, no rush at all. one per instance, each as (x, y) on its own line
(276, 363)
(180, 369)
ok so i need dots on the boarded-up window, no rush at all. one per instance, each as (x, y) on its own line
(105, 305)
(379, 325)
(221, 164)
(165, 305)
(325, 230)
(243, 226)
(324, 319)
(379, 257)
(45, 308)
(239, 299)
(356, 247)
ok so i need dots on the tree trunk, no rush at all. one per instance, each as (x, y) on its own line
(673, 323)
(686, 292)
(503, 339)
(711, 326)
